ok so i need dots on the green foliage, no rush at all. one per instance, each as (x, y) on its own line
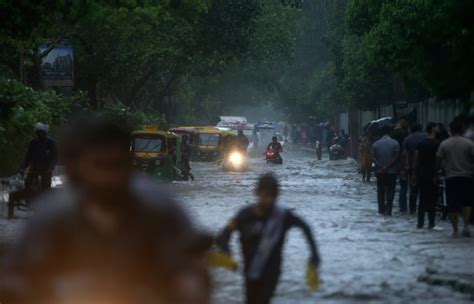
(365, 85)
(20, 109)
(133, 52)
(134, 119)
(430, 42)
(326, 98)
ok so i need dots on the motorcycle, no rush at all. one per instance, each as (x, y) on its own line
(336, 151)
(273, 157)
(20, 197)
(235, 161)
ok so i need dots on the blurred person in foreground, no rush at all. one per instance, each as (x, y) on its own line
(385, 155)
(107, 236)
(425, 175)
(41, 158)
(456, 157)
(263, 227)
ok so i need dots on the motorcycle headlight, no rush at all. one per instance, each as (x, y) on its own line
(236, 159)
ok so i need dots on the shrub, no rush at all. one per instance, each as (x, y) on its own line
(20, 109)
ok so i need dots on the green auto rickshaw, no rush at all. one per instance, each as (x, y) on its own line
(157, 153)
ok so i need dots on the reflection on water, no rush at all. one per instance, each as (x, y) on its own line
(366, 258)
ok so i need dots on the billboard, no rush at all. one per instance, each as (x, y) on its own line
(57, 68)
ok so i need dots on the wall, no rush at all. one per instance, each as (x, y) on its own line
(422, 112)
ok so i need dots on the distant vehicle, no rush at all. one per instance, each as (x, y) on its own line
(273, 157)
(336, 151)
(157, 153)
(235, 161)
(189, 131)
(232, 123)
(209, 143)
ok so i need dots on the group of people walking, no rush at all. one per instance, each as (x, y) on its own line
(420, 160)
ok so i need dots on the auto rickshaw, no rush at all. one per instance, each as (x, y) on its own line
(157, 153)
(209, 143)
(190, 132)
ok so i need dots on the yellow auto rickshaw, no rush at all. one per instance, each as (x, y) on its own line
(209, 143)
(190, 132)
(157, 153)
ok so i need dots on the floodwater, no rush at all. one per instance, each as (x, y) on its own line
(367, 258)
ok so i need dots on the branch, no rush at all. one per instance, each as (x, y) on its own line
(166, 89)
(138, 85)
(53, 45)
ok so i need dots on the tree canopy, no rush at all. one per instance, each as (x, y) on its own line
(193, 59)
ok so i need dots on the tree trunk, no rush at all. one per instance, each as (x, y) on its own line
(22, 67)
(92, 93)
(137, 87)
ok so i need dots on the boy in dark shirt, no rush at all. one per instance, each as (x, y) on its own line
(425, 168)
(262, 229)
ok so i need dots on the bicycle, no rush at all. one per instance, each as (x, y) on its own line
(21, 197)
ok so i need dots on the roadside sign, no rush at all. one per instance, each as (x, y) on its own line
(57, 68)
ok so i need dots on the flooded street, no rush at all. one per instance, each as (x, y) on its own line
(366, 257)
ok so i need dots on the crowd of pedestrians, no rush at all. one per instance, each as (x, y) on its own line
(424, 162)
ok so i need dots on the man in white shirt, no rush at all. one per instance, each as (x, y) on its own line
(456, 156)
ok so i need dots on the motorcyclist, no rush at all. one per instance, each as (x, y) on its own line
(336, 151)
(106, 236)
(238, 143)
(40, 159)
(275, 145)
(242, 141)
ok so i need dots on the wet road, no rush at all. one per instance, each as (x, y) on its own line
(366, 258)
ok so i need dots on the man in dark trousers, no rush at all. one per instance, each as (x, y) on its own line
(385, 154)
(107, 235)
(456, 156)
(409, 148)
(41, 158)
(425, 173)
(262, 227)
(399, 134)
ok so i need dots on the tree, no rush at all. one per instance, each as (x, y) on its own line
(430, 42)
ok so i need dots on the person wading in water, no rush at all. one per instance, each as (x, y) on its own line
(262, 227)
